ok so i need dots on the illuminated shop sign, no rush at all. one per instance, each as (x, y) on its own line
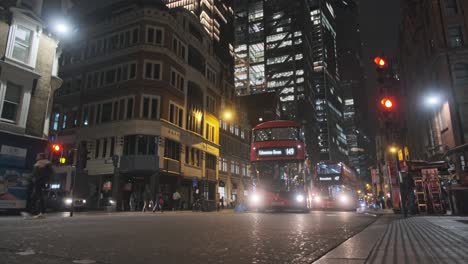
(269, 152)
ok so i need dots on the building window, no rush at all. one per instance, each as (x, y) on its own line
(455, 38)
(210, 161)
(152, 70)
(211, 75)
(150, 107)
(55, 121)
(461, 73)
(172, 149)
(154, 35)
(176, 114)
(104, 147)
(112, 147)
(177, 80)
(139, 145)
(192, 156)
(11, 104)
(22, 44)
(451, 7)
(210, 132)
(129, 108)
(211, 105)
(179, 48)
(106, 115)
(97, 148)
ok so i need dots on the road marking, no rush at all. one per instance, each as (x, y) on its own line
(331, 215)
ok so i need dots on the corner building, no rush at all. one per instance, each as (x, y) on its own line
(142, 84)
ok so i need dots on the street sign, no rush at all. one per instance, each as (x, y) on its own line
(195, 181)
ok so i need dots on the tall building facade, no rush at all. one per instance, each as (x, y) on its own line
(434, 70)
(141, 99)
(353, 86)
(217, 18)
(28, 76)
(290, 49)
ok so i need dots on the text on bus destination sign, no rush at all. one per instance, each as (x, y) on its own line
(277, 152)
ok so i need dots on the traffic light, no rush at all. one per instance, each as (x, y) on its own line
(380, 62)
(56, 153)
(387, 103)
(56, 148)
(63, 160)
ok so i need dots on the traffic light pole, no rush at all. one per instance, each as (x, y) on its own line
(74, 172)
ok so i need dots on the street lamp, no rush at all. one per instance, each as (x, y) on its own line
(227, 115)
(433, 100)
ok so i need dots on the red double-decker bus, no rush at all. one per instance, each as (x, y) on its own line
(277, 154)
(335, 186)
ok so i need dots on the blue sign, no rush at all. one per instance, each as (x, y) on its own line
(195, 181)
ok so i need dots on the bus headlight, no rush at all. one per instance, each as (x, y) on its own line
(300, 198)
(68, 201)
(344, 199)
(317, 199)
(255, 198)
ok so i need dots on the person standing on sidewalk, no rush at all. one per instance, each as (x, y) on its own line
(42, 172)
(176, 200)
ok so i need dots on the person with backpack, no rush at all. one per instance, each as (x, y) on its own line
(41, 174)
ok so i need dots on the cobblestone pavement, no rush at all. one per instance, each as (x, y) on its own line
(423, 240)
(177, 237)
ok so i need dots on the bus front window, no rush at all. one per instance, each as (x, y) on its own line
(280, 133)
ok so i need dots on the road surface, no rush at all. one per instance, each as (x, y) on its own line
(180, 237)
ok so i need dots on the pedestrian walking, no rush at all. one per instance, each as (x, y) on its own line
(159, 204)
(222, 202)
(42, 172)
(132, 201)
(146, 197)
(176, 200)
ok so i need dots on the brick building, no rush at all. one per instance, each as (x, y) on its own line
(28, 76)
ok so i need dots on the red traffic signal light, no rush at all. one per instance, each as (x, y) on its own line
(387, 103)
(380, 62)
(56, 147)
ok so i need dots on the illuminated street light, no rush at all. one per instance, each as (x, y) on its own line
(62, 28)
(433, 100)
(393, 149)
(227, 115)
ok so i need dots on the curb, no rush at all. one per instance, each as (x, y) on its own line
(359, 247)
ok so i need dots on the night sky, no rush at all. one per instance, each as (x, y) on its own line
(380, 22)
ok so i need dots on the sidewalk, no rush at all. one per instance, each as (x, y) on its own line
(419, 239)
